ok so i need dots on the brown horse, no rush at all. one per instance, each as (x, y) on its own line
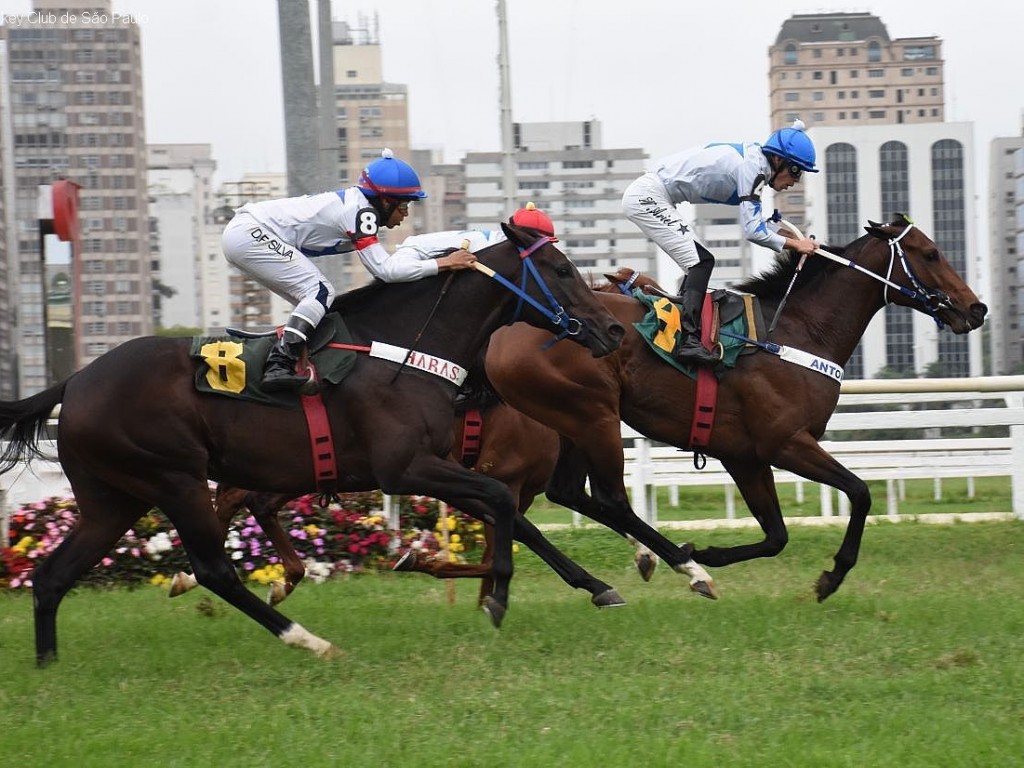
(515, 449)
(770, 412)
(134, 432)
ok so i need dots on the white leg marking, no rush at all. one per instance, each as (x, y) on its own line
(296, 635)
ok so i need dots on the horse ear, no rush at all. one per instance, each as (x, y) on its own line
(875, 230)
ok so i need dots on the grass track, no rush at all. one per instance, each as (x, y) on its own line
(916, 661)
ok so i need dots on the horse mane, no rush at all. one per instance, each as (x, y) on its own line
(775, 281)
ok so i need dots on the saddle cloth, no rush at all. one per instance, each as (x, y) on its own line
(736, 313)
(233, 367)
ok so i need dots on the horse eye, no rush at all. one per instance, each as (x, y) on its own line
(563, 271)
(931, 256)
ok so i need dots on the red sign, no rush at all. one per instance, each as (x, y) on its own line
(65, 210)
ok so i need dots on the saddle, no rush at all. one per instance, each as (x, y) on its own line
(737, 321)
(233, 365)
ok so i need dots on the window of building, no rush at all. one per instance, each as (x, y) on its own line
(791, 96)
(931, 70)
(919, 52)
(907, 71)
(816, 53)
(578, 164)
(819, 75)
(876, 93)
(854, 74)
(876, 73)
(874, 51)
(842, 115)
(876, 114)
(819, 96)
(818, 117)
(949, 216)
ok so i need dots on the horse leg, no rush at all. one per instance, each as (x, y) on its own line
(482, 497)
(265, 508)
(756, 484)
(609, 504)
(805, 456)
(192, 514)
(228, 502)
(103, 520)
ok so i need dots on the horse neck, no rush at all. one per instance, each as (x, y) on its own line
(830, 317)
(451, 315)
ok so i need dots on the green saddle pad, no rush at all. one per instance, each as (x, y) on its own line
(233, 367)
(662, 329)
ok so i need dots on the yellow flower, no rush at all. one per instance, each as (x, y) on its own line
(268, 573)
(23, 546)
(159, 580)
(455, 538)
(372, 520)
(312, 530)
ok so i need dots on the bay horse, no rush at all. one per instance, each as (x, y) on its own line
(770, 412)
(513, 448)
(134, 433)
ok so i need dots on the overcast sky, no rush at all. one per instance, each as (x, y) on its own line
(661, 75)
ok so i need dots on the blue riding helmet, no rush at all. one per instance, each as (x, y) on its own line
(390, 177)
(792, 145)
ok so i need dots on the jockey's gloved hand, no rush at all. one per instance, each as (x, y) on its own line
(776, 216)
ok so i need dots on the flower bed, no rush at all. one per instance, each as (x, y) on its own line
(341, 537)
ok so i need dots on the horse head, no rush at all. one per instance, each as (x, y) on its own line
(624, 280)
(558, 295)
(929, 282)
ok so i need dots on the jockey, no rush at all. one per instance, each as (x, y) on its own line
(729, 174)
(274, 241)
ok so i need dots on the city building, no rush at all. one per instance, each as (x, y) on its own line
(563, 168)
(844, 69)
(179, 178)
(925, 170)
(1005, 323)
(73, 109)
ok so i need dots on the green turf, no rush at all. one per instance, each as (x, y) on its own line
(916, 661)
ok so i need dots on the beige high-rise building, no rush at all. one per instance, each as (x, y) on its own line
(371, 114)
(74, 110)
(843, 69)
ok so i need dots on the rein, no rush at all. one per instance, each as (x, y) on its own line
(930, 299)
(554, 312)
(419, 334)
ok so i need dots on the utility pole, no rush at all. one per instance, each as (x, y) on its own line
(508, 186)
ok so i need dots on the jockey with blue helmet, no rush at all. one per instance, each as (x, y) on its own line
(724, 173)
(274, 242)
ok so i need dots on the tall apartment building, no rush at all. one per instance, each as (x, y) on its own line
(843, 69)
(1006, 271)
(565, 171)
(180, 203)
(8, 239)
(874, 106)
(371, 114)
(927, 171)
(75, 111)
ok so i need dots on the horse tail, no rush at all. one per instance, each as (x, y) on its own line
(23, 425)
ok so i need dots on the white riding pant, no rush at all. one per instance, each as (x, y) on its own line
(646, 204)
(252, 248)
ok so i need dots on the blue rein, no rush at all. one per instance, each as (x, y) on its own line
(569, 326)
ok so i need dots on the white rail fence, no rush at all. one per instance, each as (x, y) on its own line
(970, 404)
(881, 404)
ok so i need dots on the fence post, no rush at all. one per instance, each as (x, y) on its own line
(1016, 400)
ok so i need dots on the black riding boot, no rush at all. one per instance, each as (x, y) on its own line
(279, 374)
(690, 349)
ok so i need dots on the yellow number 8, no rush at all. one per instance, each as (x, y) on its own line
(227, 369)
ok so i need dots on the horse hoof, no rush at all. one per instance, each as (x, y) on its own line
(608, 599)
(825, 586)
(495, 610)
(645, 564)
(705, 589)
(406, 562)
(331, 652)
(276, 593)
(179, 584)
